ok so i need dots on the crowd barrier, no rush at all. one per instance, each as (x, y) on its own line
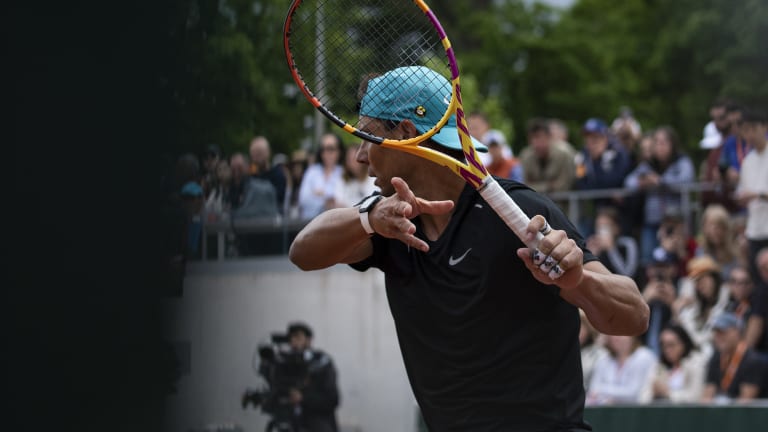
(273, 236)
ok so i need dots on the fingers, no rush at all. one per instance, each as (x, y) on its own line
(393, 215)
(418, 205)
(402, 189)
(556, 253)
(552, 249)
(538, 225)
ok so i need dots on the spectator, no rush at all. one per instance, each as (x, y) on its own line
(297, 166)
(668, 167)
(480, 128)
(717, 238)
(696, 313)
(644, 151)
(633, 206)
(618, 253)
(502, 166)
(175, 220)
(757, 325)
(546, 168)
(735, 371)
(217, 204)
(680, 374)
(673, 237)
(211, 159)
(714, 130)
(741, 293)
(238, 164)
(660, 292)
(261, 168)
(626, 129)
(602, 164)
(626, 121)
(559, 132)
(623, 376)
(192, 197)
(357, 183)
(752, 191)
(592, 348)
(322, 179)
(735, 147)
(715, 169)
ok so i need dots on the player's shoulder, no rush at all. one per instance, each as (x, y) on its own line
(523, 192)
(511, 185)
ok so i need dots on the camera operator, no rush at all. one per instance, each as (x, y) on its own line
(302, 381)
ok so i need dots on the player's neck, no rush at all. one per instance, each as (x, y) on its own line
(438, 184)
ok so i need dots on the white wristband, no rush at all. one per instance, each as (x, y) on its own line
(366, 223)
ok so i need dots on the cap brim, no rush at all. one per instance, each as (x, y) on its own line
(593, 131)
(710, 142)
(449, 137)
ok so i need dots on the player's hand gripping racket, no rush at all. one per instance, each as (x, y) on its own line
(332, 46)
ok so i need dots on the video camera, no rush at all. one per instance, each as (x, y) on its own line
(283, 369)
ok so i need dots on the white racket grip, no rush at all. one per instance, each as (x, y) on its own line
(508, 210)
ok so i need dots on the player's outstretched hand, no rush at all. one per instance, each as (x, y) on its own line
(391, 217)
(557, 260)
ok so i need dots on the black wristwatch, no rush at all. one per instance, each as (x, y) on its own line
(365, 207)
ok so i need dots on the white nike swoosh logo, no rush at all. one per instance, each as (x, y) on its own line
(453, 261)
(479, 205)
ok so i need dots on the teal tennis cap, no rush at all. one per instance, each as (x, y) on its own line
(418, 94)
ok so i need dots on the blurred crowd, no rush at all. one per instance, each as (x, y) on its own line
(704, 278)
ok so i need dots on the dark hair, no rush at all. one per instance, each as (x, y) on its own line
(685, 338)
(733, 107)
(721, 103)
(296, 327)
(705, 305)
(538, 124)
(674, 140)
(753, 115)
(609, 212)
(339, 145)
(456, 154)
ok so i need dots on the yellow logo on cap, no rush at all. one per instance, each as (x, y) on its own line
(420, 111)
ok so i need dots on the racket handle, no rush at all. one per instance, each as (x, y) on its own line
(508, 210)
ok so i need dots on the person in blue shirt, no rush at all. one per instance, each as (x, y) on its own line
(602, 164)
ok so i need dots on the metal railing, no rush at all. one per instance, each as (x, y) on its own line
(688, 206)
(278, 232)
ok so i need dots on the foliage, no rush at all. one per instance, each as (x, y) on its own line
(667, 59)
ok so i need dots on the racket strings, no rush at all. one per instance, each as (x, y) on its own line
(336, 44)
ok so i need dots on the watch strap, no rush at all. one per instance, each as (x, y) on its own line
(366, 223)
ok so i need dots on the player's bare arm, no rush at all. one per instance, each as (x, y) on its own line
(612, 302)
(337, 236)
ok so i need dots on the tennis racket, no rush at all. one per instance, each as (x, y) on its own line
(332, 46)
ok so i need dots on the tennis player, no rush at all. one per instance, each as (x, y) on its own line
(487, 329)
